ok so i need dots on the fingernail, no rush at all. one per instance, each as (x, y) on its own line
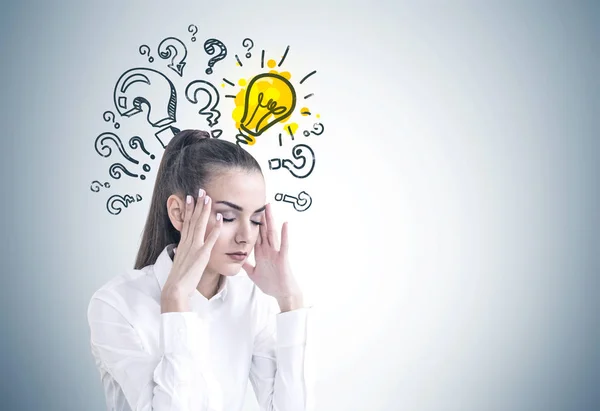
(219, 216)
(206, 199)
(200, 193)
(188, 199)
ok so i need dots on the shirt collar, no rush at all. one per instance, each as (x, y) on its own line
(162, 268)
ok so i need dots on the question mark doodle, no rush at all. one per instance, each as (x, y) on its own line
(135, 87)
(301, 203)
(144, 49)
(101, 145)
(277, 163)
(110, 203)
(209, 47)
(115, 171)
(107, 117)
(131, 89)
(173, 47)
(96, 188)
(248, 42)
(193, 29)
(317, 126)
(136, 141)
(210, 109)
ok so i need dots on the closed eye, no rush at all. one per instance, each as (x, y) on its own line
(229, 220)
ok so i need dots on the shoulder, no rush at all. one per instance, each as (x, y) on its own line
(125, 291)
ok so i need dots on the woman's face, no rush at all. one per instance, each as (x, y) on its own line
(240, 197)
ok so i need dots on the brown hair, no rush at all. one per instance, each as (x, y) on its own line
(188, 162)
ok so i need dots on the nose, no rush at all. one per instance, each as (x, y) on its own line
(243, 233)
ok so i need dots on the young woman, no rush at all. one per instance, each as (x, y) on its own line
(181, 331)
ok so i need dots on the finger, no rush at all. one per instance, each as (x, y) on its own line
(262, 237)
(188, 208)
(284, 238)
(195, 223)
(214, 233)
(271, 233)
(257, 249)
(202, 223)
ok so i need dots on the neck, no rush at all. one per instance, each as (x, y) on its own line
(209, 284)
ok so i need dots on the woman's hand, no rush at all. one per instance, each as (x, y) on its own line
(193, 252)
(272, 273)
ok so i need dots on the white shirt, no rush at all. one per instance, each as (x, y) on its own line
(199, 360)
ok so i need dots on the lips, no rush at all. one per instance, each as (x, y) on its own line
(239, 256)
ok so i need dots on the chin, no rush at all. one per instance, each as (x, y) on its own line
(229, 269)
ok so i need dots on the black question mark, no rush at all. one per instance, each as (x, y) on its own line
(174, 49)
(209, 47)
(96, 188)
(115, 171)
(110, 203)
(193, 29)
(144, 49)
(210, 108)
(317, 126)
(301, 203)
(140, 87)
(300, 152)
(136, 141)
(101, 146)
(107, 117)
(251, 44)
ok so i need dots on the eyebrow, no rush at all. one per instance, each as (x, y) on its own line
(237, 207)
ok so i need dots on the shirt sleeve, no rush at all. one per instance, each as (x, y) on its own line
(281, 372)
(173, 380)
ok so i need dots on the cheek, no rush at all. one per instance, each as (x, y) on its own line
(225, 236)
(255, 234)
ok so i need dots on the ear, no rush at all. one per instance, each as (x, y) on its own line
(176, 211)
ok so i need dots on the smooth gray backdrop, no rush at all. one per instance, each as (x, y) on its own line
(452, 247)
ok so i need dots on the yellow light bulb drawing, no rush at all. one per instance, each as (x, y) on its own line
(269, 99)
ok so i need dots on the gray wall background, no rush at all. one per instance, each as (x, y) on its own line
(453, 245)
